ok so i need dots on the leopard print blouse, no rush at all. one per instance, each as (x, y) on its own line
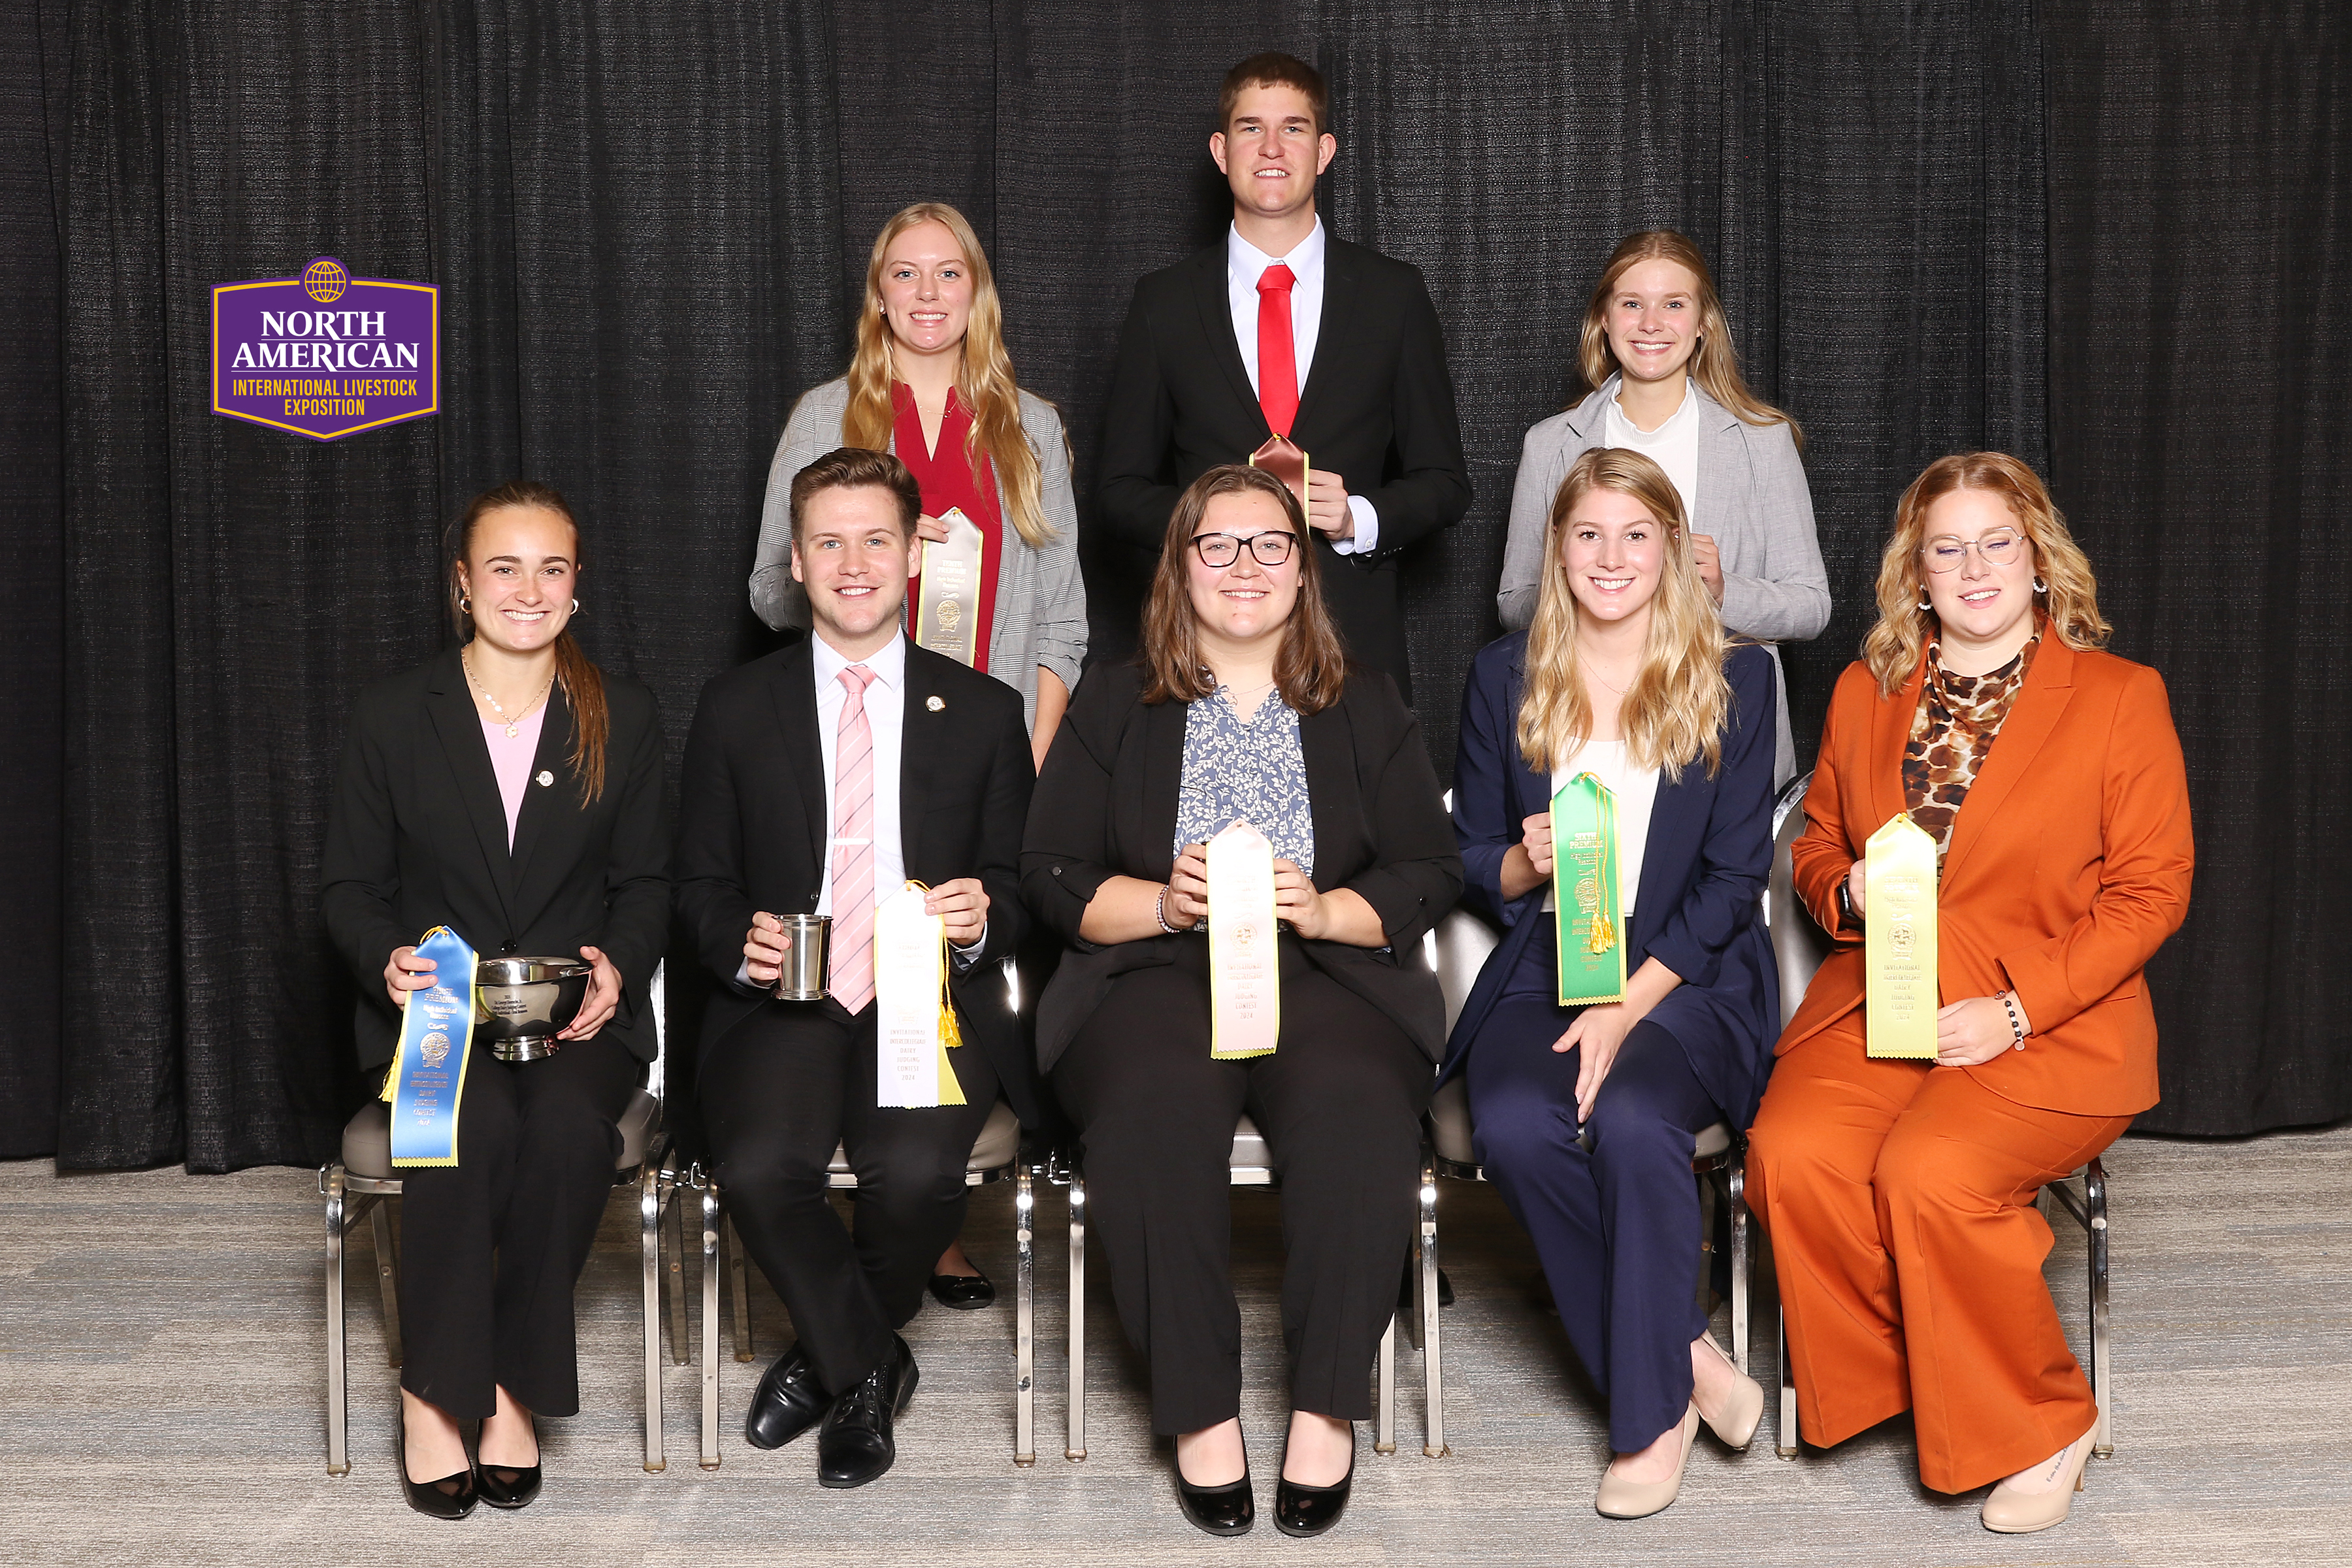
(1951, 735)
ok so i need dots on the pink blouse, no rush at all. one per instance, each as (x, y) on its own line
(512, 760)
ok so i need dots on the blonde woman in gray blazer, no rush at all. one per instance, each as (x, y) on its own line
(932, 331)
(1657, 349)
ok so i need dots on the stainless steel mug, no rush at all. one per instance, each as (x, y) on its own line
(802, 978)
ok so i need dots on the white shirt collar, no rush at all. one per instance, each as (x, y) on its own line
(1686, 412)
(889, 664)
(1245, 261)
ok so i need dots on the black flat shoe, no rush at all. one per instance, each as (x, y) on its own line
(507, 1486)
(1302, 1510)
(428, 1497)
(788, 1403)
(857, 1442)
(964, 1292)
(1228, 1510)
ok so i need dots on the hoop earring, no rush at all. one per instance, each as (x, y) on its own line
(2039, 585)
(1926, 607)
(465, 603)
(575, 606)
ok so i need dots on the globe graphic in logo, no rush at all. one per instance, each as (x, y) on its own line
(324, 280)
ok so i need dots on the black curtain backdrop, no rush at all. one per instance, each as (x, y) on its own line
(650, 225)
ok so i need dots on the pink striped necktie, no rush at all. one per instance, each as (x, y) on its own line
(852, 961)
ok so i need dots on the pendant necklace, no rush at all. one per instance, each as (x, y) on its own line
(513, 724)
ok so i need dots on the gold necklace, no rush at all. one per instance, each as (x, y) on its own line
(514, 724)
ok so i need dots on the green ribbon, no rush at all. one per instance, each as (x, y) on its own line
(1584, 874)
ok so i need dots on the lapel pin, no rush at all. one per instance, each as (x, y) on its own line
(545, 778)
(935, 705)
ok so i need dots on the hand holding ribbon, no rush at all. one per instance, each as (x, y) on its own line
(963, 905)
(404, 972)
(1188, 888)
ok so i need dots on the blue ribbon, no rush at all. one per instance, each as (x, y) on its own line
(429, 1075)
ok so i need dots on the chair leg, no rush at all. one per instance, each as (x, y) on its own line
(1076, 1447)
(1705, 1242)
(1432, 1358)
(2094, 1224)
(1385, 1441)
(1024, 1307)
(740, 1285)
(1785, 1436)
(712, 1220)
(1736, 1176)
(649, 1198)
(338, 1462)
(676, 1245)
(387, 1276)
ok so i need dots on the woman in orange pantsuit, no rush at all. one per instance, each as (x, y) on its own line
(1899, 1193)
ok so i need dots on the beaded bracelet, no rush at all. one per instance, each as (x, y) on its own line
(2016, 1024)
(1159, 913)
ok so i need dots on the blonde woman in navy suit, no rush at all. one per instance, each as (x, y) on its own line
(1585, 1118)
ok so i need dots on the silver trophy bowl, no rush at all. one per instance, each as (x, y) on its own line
(521, 1003)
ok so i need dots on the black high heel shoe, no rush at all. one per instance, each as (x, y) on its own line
(427, 1497)
(1228, 1510)
(498, 1491)
(1302, 1510)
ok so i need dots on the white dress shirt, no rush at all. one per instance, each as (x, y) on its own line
(1635, 792)
(1244, 265)
(1673, 446)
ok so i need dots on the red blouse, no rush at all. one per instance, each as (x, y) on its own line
(949, 479)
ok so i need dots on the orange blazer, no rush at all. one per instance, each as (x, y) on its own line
(2070, 864)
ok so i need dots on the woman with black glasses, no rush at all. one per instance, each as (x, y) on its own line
(1241, 709)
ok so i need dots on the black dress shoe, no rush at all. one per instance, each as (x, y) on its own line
(451, 1496)
(964, 1292)
(1302, 1510)
(1228, 1510)
(507, 1486)
(788, 1403)
(856, 1444)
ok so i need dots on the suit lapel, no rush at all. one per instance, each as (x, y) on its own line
(794, 695)
(540, 809)
(1209, 293)
(1890, 731)
(1163, 769)
(2041, 702)
(1326, 746)
(921, 732)
(1340, 290)
(1718, 488)
(1678, 816)
(451, 704)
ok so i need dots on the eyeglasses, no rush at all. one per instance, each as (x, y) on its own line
(1271, 549)
(1947, 551)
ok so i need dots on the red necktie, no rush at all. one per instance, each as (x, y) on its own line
(1277, 363)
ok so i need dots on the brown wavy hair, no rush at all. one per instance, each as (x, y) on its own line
(1712, 364)
(983, 376)
(1675, 711)
(2070, 601)
(1275, 68)
(583, 682)
(1311, 669)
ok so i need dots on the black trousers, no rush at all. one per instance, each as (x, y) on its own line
(1340, 1102)
(778, 1092)
(490, 1248)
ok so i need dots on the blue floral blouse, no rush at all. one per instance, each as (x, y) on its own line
(1254, 771)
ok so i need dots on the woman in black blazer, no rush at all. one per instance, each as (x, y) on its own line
(447, 810)
(1585, 1118)
(1242, 708)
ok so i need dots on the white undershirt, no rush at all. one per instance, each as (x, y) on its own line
(1636, 791)
(1673, 446)
(1245, 264)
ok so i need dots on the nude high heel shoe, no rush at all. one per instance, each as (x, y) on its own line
(2013, 1512)
(1621, 1498)
(1742, 1411)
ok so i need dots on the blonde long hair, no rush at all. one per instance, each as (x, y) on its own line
(984, 377)
(1712, 364)
(1893, 646)
(1675, 709)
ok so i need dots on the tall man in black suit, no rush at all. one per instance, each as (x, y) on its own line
(818, 780)
(1282, 329)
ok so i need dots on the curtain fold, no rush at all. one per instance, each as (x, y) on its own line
(650, 227)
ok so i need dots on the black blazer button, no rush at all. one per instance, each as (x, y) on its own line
(506, 946)
(1057, 870)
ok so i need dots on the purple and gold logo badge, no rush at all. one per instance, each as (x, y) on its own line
(326, 354)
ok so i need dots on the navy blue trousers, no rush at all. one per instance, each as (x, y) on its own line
(1616, 1226)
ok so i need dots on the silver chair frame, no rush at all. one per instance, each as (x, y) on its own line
(1066, 1171)
(350, 1196)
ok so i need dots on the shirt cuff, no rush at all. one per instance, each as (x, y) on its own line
(965, 957)
(743, 978)
(1367, 529)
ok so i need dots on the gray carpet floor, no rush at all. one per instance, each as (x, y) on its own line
(161, 1377)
